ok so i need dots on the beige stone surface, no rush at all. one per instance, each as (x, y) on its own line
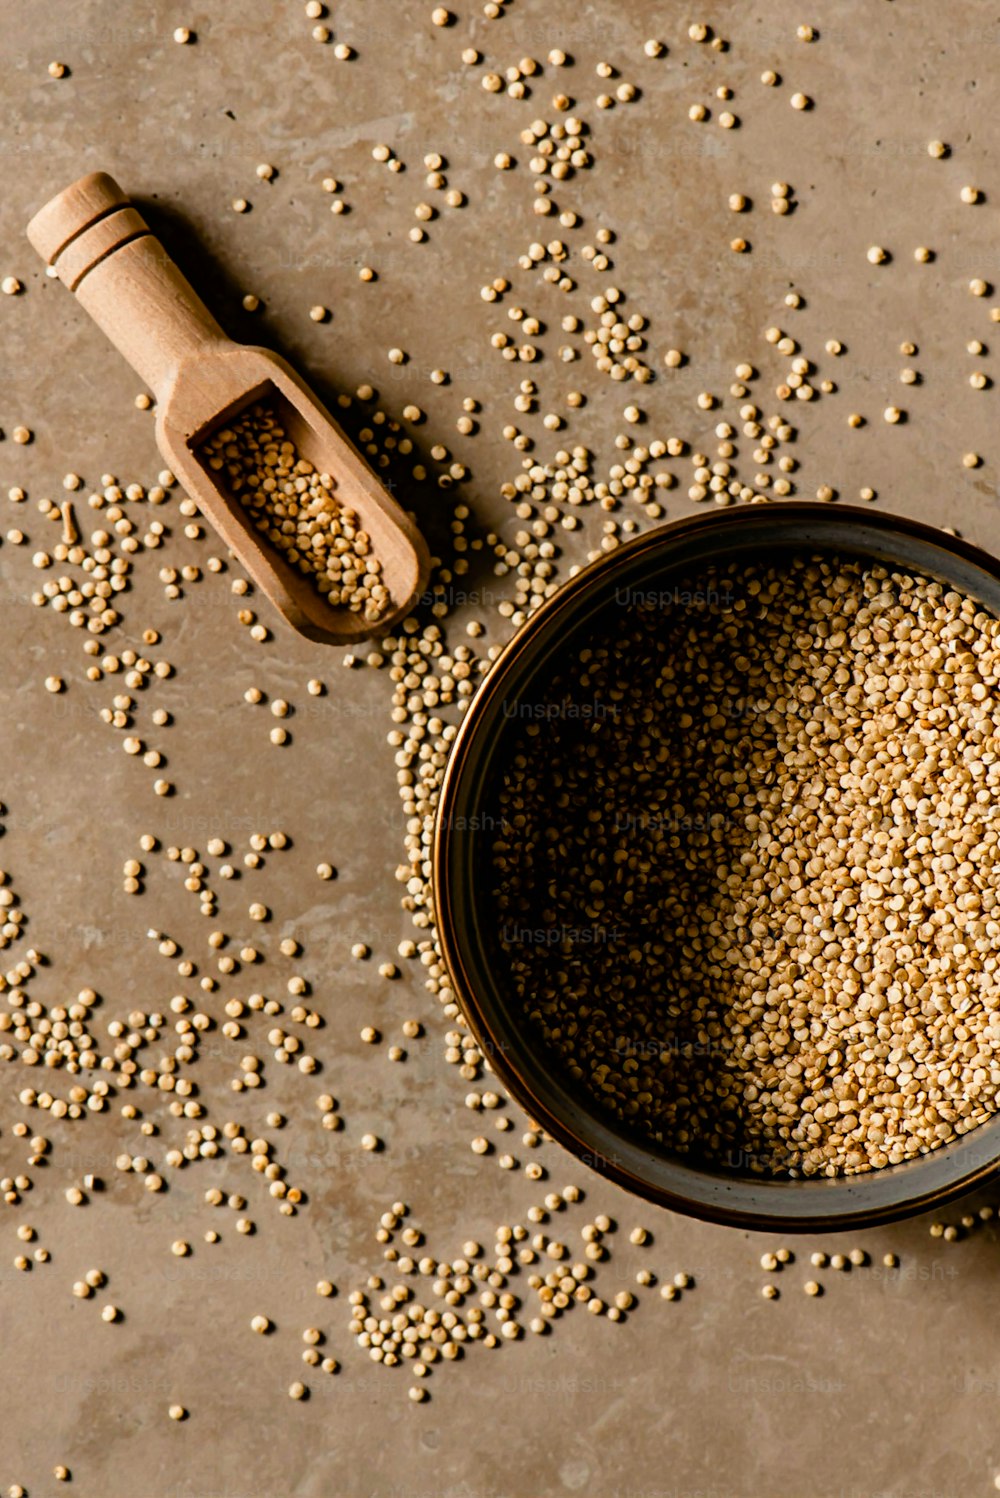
(885, 1385)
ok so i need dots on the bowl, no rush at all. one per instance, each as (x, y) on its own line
(462, 878)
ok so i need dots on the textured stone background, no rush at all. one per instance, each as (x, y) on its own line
(888, 1385)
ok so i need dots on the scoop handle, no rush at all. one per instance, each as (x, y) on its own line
(104, 251)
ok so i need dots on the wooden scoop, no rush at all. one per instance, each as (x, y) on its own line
(104, 251)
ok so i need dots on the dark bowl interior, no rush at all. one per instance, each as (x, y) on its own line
(467, 922)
